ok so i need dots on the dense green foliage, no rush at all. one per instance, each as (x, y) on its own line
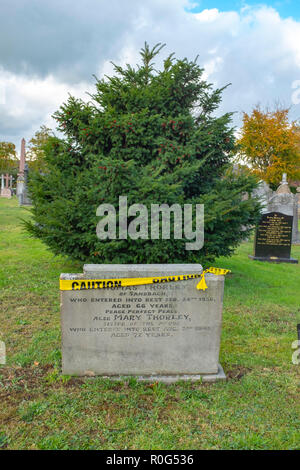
(154, 137)
(35, 153)
(8, 159)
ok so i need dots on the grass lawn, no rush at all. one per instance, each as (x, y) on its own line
(257, 408)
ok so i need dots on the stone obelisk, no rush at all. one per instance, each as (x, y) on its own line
(21, 176)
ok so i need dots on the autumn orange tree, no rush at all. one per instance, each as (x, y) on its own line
(271, 145)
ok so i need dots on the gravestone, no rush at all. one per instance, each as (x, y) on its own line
(265, 196)
(22, 190)
(263, 193)
(24, 199)
(285, 201)
(298, 201)
(163, 331)
(273, 238)
(276, 229)
(21, 179)
(6, 186)
(296, 233)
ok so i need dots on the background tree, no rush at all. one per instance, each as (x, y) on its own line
(35, 155)
(152, 136)
(8, 158)
(271, 145)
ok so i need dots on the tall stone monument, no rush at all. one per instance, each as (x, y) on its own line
(22, 191)
(164, 331)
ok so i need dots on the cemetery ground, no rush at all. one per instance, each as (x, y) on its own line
(258, 407)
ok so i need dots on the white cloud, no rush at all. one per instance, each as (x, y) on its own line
(207, 16)
(30, 102)
(212, 66)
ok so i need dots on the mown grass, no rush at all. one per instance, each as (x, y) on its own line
(257, 408)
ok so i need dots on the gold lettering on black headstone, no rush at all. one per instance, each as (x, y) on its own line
(274, 236)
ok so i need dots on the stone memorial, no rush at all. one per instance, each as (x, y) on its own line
(165, 331)
(263, 193)
(276, 229)
(298, 201)
(268, 198)
(296, 234)
(286, 200)
(273, 238)
(6, 186)
(22, 191)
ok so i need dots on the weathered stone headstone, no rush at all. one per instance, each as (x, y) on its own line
(296, 234)
(285, 201)
(164, 331)
(298, 201)
(263, 192)
(283, 188)
(6, 186)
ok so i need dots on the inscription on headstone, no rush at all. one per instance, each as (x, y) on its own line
(273, 238)
(167, 330)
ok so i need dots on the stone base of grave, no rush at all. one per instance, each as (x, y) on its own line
(6, 192)
(274, 260)
(24, 200)
(170, 379)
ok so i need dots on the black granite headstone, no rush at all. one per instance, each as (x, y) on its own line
(273, 238)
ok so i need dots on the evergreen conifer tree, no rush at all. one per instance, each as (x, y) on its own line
(154, 137)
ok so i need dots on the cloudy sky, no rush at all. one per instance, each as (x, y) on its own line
(49, 48)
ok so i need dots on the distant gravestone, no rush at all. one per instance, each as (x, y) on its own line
(6, 186)
(263, 193)
(21, 179)
(298, 201)
(276, 229)
(22, 190)
(273, 238)
(281, 200)
(285, 201)
(163, 331)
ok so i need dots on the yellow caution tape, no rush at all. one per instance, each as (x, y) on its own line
(217, 271)
(88, 284)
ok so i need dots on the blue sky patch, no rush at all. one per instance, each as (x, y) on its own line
(286, 8)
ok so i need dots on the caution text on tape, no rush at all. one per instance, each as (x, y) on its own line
(88, 284)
